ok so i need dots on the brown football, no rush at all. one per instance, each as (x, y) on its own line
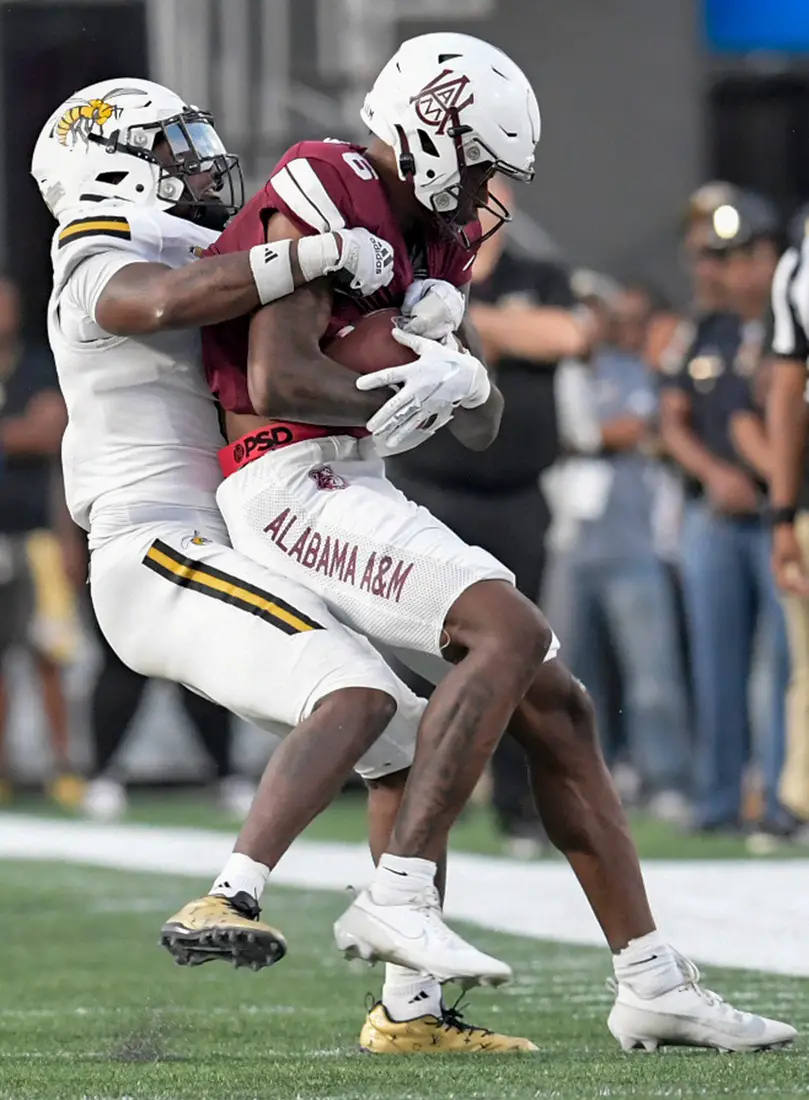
(368, 344)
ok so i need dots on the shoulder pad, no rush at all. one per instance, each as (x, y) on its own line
(94, 225)
(131, 228)
(318, 184)
(89, 233)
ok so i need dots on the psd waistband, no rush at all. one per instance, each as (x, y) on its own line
(273, 436)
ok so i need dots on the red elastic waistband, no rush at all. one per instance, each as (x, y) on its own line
(273, 436)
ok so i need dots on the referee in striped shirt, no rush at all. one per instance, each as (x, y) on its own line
(787, 416)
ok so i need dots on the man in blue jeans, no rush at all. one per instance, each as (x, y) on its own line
(616, 576)
(726, 542)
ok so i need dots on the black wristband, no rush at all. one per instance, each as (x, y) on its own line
(782, 516)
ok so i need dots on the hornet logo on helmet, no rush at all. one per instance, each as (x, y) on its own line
(439, 101)
(89, 116)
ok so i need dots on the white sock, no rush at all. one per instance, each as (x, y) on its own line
(407, 994)
(241, 874)
(648, 965)
(399, 879)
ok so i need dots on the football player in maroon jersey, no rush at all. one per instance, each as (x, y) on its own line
(305, 491)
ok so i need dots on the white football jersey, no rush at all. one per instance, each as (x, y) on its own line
(142, 437)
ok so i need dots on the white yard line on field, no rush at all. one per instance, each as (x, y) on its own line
(743, 913)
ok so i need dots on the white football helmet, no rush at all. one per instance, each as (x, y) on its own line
(448, 103)
(131, 140)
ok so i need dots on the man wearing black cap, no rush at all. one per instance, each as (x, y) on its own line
(789, 494)
(726, 540)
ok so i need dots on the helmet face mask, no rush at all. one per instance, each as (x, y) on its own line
(471, 193)
(456, 111)
(196, 173)
(137, 142)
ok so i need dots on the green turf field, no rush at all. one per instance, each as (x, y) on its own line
(90, 1008)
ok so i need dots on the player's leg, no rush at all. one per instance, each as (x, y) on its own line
(391, 570)
(497, 643)
(410, 1016)
(658, 999)
(200, 614)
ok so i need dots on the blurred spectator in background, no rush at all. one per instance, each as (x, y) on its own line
(707, 286)
(524, 312)
(615, 575)
(726, 539)
(35, 599)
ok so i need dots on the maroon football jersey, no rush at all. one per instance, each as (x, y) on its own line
(322, 186)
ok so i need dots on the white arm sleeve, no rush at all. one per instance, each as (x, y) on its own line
(790, 305)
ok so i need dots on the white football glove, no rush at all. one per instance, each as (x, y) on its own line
(433, 308)
(441, 380)
(366, 257)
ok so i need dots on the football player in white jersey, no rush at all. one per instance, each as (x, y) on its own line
(140, 183)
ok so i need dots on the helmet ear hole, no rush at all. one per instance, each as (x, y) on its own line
(427, 144)
(113, 178)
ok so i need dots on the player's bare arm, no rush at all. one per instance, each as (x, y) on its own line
(289, 377)
(144, 298)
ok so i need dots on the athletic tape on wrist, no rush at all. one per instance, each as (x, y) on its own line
(318, 255)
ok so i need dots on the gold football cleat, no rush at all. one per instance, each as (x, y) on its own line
(216, 927)
(431, 1035)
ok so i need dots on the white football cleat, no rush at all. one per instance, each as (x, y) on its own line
(104, 800)
(415, 935)
(689, 1015)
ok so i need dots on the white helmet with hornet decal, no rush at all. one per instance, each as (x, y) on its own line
(130, 140)
(447, 103)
